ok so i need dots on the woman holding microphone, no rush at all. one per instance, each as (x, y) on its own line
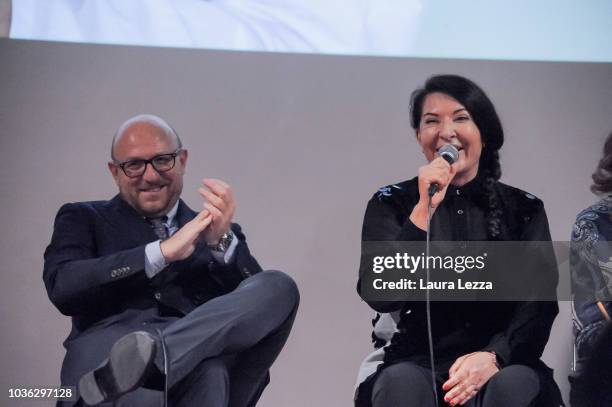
(486, 354)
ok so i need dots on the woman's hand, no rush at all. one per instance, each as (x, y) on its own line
(467, 376)
(440, 172)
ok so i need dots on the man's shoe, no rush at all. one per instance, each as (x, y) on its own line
(129, 362)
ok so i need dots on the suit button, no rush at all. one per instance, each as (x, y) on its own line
(246, 272)
(157, 296)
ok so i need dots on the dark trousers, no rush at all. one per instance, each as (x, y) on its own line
(220, 353)
(592, 386)
(406, 384)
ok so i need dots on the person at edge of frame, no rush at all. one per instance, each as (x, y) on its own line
(591, 377)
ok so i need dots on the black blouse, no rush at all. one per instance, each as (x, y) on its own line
(516, 331)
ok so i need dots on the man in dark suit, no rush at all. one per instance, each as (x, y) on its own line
(161, 295)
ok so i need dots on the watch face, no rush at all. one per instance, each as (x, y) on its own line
(225, 241)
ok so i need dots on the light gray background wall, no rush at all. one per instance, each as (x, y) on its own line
(305, 140)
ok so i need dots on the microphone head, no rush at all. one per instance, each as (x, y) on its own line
(449, 152)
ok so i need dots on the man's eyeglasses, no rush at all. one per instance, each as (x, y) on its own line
(161, 163)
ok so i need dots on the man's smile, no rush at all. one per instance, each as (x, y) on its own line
(154, 189)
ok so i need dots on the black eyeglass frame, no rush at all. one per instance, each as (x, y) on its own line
(149, 161)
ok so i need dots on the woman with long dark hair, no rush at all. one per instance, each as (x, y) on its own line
(485, 354)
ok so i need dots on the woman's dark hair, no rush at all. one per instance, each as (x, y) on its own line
(484, 115)
(602, 177)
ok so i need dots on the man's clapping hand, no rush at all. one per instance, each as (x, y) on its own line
(209, 225)
(219, 201)
(182, 244)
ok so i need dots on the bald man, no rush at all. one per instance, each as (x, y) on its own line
(165, 301)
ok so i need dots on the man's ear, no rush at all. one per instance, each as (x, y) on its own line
(183, 159)
(114, 170)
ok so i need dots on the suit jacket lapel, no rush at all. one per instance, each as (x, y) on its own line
(184, 213)
(129, 223)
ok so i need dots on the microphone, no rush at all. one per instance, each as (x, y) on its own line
(450, 153)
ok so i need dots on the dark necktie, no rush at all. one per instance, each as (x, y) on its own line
(159, 227)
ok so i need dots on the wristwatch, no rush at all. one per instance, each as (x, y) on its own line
(224, 242)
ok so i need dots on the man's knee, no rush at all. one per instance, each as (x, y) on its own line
(282, 285)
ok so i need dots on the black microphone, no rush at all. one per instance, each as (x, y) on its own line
(450, 153)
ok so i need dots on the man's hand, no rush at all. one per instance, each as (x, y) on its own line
(182, 244)
(221, 205)
(467, 376)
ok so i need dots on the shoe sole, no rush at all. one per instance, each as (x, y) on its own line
(131, 357)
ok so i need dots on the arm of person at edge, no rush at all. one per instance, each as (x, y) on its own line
(77, 276)
(526, 335)
(588, 285)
